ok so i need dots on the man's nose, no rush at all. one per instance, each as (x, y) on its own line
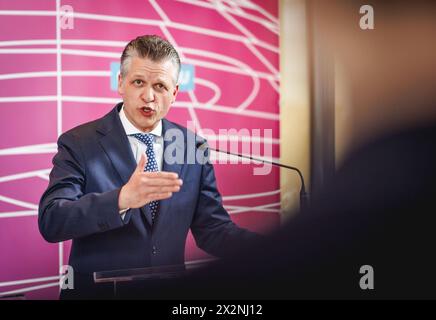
(147, 94)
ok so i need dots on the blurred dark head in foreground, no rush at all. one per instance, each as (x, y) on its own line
(379, 209)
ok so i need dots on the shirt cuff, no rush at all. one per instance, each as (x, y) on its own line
(123, 212)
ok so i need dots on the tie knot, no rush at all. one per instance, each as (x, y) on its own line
(146, 138)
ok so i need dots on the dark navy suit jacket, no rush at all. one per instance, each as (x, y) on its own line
(93, 162)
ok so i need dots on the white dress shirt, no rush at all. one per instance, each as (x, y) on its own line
(138, 147)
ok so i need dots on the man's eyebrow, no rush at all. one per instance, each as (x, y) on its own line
(161, 80)
(138, 75)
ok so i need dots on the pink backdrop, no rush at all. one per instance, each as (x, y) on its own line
(233, 46)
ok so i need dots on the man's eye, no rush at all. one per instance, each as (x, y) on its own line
(160, 86)
(137, 82)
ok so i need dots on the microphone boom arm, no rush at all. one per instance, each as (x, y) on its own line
(304, 197)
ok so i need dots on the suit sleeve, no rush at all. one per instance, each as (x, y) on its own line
(65, 211)
(212, 226)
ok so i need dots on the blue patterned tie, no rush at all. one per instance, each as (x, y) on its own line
(151, 166)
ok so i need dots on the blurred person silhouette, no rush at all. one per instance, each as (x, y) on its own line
(379, 209)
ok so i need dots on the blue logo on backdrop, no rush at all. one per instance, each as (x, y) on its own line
(186, 77)
(115, 69)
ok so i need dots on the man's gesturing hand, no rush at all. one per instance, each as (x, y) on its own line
(144, 187)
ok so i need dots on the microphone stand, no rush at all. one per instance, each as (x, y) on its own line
(304, 196)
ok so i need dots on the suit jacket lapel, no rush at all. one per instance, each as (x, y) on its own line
(116, 145)
(164, 205)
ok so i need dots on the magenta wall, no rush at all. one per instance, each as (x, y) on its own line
(233, 46)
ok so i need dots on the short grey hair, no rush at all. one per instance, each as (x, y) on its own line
(152, 47)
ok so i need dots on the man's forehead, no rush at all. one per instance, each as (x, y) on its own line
(146, 64)
(146, 67)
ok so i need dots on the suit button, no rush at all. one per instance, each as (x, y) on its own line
(154, 250)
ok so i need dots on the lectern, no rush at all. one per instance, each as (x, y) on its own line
(141, 282)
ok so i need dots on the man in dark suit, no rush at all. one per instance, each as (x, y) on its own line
(119, 195)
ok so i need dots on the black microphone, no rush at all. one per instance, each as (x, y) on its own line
(304, 196)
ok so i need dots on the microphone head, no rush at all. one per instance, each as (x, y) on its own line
(202, 150)
(202, 145)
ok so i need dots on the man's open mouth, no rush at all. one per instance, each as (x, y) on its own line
(147, 111)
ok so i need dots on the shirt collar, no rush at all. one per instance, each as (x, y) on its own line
(131, 129)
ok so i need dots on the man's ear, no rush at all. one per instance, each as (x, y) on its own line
(176, 90)
(120, 85)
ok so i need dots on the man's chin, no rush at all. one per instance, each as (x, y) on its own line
(149, 125)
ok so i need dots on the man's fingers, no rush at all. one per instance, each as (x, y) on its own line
(141, 165)
(162, 175)
(160, 196)
(158, 182)
(152, 190)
